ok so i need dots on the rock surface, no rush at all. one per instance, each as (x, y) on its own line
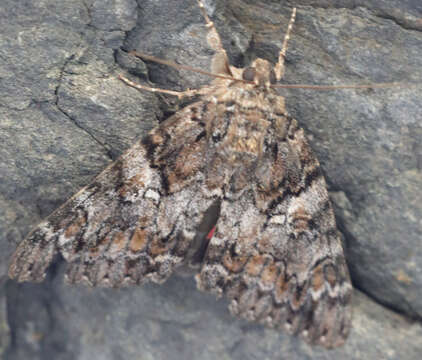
(175, 321)
(64, 116)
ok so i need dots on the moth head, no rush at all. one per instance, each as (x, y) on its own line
(261, 72)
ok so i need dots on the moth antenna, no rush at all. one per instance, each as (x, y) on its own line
(279, 67)
(335, 87)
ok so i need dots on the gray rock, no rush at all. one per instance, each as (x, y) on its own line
(175, 321)
(4, 325)
(64, 116)
(112, 15)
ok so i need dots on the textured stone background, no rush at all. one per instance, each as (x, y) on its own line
(64, 116)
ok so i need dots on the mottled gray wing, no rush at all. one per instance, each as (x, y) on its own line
(135, 221)
(276, 253)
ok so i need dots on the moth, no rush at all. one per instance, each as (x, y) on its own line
(234, 165)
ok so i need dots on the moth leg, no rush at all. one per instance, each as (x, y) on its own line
(279, 67)
(179, 94)
(220, 61)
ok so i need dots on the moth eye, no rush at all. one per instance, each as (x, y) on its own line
(249, 74)
(273, 79)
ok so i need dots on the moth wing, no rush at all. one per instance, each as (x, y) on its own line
(134, 222)
(276, 253)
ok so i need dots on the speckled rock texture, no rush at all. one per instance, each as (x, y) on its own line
(64, 116)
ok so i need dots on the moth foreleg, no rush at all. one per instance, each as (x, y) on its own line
(179, 94)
